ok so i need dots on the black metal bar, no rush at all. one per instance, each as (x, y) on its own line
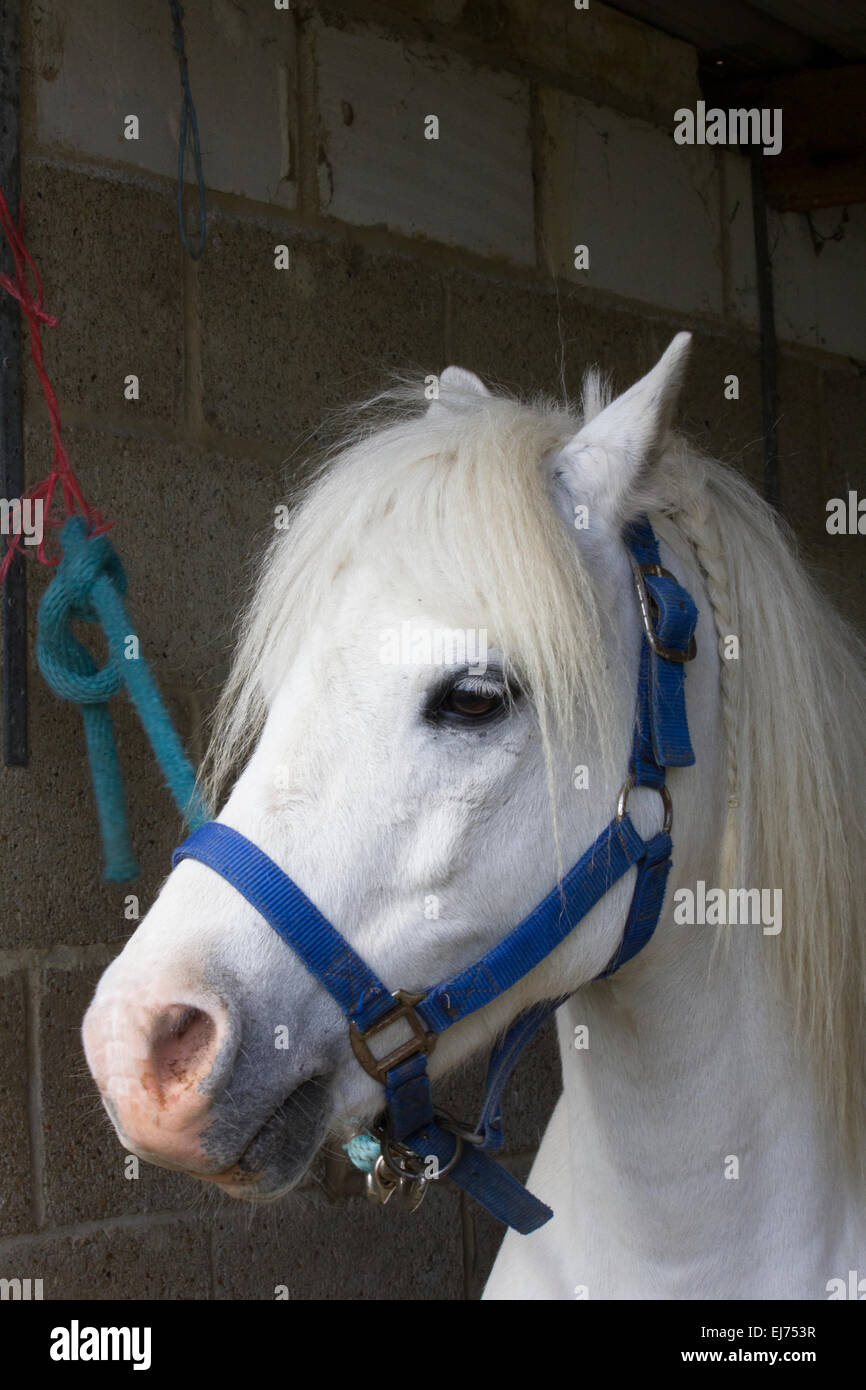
(766, 312)
(13, 663)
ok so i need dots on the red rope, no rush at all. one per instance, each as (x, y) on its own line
(61, 471)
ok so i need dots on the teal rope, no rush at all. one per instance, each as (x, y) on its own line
(363, 1150)
(90, 585)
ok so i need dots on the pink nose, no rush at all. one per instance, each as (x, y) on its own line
(154, 1064)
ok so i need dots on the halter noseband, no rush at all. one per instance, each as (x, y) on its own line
(417, 1141)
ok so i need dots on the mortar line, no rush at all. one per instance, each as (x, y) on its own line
(193, 408)
(467, 1224)
(153, 429)
(18, 958)
(823, 430)
(211, 1263)
(140, 1220)
(34, 1095)
(425, 252)
(447, 320)
(537, 170)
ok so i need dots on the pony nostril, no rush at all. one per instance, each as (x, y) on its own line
(183, 1046)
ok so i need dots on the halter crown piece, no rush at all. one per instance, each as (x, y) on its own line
(417, 1142)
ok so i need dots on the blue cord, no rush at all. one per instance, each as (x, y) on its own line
(89, 586)
(363, 1150)
(187, 122)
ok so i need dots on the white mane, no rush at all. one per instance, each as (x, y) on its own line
(456, 502)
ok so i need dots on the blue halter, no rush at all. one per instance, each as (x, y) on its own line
(414, 1130)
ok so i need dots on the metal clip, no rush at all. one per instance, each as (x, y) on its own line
(380, 1184)
(411, 1193)
(383, 1182)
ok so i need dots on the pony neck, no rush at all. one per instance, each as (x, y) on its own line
(689, 1075)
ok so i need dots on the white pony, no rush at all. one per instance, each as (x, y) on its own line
(709, 1140)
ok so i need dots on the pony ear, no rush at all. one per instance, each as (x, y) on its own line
(456, 388)
(458, 379)
(600, 466)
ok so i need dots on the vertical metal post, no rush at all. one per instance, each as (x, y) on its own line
(766, 311)
(13, 663)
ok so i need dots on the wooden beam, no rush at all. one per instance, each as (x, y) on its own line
(737, 32)
(839, 25)
(822, 163)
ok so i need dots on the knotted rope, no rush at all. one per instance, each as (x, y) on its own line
(89, 586)
(363, 1150)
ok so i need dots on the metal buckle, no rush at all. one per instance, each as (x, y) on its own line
(622, 802)
(378, 1067)
(648, 604)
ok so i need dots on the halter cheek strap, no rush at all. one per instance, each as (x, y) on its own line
(413, 1125)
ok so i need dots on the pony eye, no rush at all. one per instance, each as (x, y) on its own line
(472, 700)
(471, 704)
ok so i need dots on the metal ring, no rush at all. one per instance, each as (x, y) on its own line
(392, 1160)
(396, 1167)
(667, 803)
(459, 1130)
(454, 1160)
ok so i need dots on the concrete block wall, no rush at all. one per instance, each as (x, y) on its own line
(554, 130)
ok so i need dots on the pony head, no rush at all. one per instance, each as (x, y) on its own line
(427, 722)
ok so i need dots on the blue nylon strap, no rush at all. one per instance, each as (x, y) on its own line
(503, 1060)
(485, 1180)
(646, 905)
(674, 626)
(412, 1122)
(407, 1097)
(646, 902)
(640, 538)
(363, 997)
(661, 738)
(407, 1092)
(358, 991)
(643, 766)
(617, 848)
